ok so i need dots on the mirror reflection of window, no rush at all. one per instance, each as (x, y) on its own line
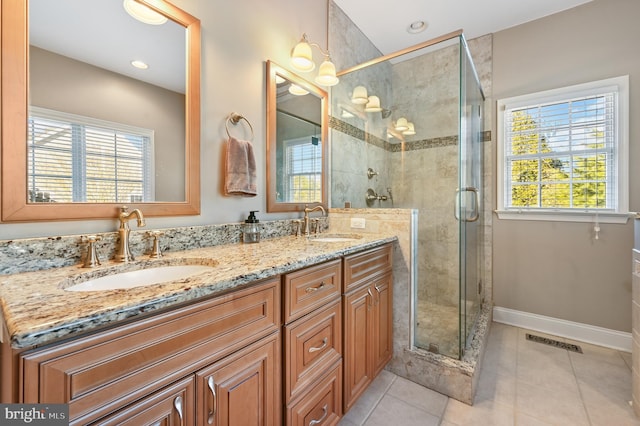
(303, 165)
(78, 159)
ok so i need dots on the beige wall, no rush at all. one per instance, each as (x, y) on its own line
(237, 39)
(558, 269)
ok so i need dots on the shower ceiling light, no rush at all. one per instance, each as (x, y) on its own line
(302, 60)
(416, 27)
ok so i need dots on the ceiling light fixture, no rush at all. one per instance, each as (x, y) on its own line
(140, 64)
(302, 60)
(416, 27)
(143, 13)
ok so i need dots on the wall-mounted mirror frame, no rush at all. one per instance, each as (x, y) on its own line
(273, 204)
(14, 106)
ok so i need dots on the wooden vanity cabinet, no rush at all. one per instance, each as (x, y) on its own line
(368, 326)
(149, 369)
(313, 345)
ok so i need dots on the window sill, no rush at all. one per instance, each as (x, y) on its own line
(561, 216)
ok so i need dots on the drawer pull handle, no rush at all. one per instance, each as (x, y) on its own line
(319, 348)
(177, 403)
(314, 289)
(371, 297)
(321, 419)
(378, 289)
(212, 388)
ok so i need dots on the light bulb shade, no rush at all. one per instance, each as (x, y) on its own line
(297, 90)
(402, 124)
(411, 130)
(359, 95)
(327, 74)
(373, 105)
(302, 58)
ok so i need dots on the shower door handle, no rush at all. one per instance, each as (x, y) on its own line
(472, 194)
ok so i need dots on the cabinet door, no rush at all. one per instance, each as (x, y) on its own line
(381, 322)
(242, 389)
(357, 344)
(171, 406)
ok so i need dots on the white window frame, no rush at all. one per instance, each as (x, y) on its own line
(291, 144)
(149, 155)
(620, 212)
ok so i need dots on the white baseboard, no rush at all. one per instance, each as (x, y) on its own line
(558, 327)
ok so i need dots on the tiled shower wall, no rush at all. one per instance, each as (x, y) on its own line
(421, 173)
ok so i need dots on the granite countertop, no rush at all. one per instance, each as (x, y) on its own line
(37, 310)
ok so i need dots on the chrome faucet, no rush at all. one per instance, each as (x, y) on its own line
(305, 223)
(123, 253)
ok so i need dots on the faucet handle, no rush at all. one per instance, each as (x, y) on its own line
(92, 260)
(155, 250)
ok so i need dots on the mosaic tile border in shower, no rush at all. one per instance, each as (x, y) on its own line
(353, 131)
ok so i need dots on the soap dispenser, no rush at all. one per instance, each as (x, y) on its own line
(251, 230)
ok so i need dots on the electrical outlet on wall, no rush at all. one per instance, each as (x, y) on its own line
(358, 222)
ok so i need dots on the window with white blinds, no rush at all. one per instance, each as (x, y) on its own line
(303, 165)
(564, 152)
(78, 159)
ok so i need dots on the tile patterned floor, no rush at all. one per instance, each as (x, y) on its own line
(521, 383)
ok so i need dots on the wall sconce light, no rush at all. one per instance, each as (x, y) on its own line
(302, 60)
(373, 105)
(359, 95)
(401, 124)
(411, 130)
(143, 13)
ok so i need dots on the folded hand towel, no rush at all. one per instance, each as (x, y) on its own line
(240, 169)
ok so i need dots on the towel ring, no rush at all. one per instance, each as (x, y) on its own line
(235, 118)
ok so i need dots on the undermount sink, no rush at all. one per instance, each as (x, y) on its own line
(335, 238)
(114, 278)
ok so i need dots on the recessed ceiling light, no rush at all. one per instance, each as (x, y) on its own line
(417, 27)
(144, 13)
(140, 65)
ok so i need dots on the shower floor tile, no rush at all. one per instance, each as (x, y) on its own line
(599, 391)
(437, 327)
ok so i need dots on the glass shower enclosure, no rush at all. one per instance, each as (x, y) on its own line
(407, 132)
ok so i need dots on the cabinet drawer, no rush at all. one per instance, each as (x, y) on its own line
(172, 406)
(322, 406)
(361, 267)
(312, 345)
(310, 288)
(103, 372)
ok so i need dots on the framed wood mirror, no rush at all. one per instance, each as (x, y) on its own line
(54, 142)
(297, 141)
